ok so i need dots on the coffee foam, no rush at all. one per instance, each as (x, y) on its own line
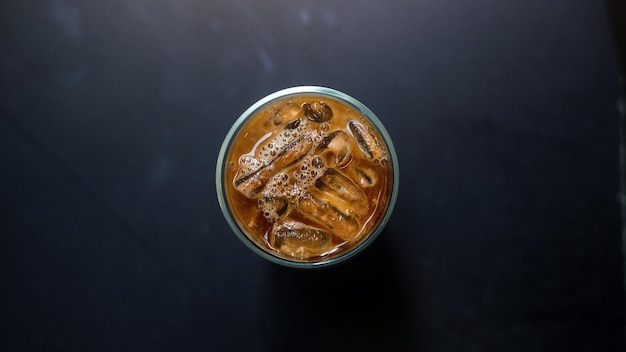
(293, 183)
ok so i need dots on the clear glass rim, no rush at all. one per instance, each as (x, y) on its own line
(302, 90)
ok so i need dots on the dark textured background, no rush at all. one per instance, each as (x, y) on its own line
(506, 234)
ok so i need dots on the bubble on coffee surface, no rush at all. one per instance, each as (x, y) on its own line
(248, 163)
(293, 184)
(272, 208)
(270, 148)
(252, 183)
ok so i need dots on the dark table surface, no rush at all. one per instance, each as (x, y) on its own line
(505, 237)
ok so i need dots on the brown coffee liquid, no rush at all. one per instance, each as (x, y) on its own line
(308, 177)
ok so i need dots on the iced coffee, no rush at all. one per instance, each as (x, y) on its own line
(307, 177)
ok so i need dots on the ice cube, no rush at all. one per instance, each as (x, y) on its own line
(299, 240)
(327, 216)
(317, 111)
(251, 184)
(334, 148)
(286, 113)
(363, 176)
(293, 124)
(341, 193)
(365, 140)
(271, 144)
(344, 207)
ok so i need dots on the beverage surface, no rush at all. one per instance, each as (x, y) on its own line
(308, 177)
